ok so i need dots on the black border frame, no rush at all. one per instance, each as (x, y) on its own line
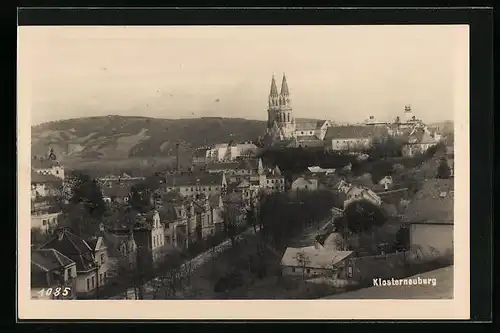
(480, 21)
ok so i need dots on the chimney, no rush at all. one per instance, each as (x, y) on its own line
(177, 161)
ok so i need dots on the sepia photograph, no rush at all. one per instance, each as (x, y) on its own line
(243, 163)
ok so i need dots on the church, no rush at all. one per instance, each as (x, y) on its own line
(283, 129)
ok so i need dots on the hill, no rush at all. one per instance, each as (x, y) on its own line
(117, 137)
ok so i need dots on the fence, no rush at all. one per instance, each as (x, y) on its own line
(397, 265)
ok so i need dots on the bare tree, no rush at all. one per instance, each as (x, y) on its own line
(303, 261)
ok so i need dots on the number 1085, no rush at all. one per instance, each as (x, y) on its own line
(55, 292)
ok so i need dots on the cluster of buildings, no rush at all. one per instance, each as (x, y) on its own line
(47, 177)
(284, 130)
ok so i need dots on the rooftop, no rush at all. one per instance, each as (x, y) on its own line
(49, 259)
(73, 247)
(43, 163)
(355, 131)
(37, 178)
(442, 290)
(308, 125)
(316, 257)
(194, 179)
(434, 203)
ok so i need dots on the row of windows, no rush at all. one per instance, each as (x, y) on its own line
(272, 181)
(157, 241)
(91, 282)
(49, 221)
(193, 189)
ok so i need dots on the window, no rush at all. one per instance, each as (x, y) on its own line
(101, 278)
(105, 276)
(349, 271)
(308, 271)
(102, 258)
(154, 241)
(93, 282)
(293, 269)
(44, 222)
(57, 172)
(88, 284)
(167, 239)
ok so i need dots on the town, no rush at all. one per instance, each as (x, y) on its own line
(311, 209)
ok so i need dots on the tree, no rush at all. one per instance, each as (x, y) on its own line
(443, 171)
(141, 198)
(303, 261)
(363, 215)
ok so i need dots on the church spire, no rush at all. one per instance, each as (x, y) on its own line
(284, 87)
(274, 89)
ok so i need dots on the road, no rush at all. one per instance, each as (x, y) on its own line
(195, 262)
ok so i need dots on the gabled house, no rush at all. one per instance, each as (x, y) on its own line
(217, 208)
(45, 185)
(358, 192)
(352, 137)
(48, 165)
(79, 251)
(430, 217)
(204, 218)
(315, 261)
(304, 183)
(273, 181)
(418, 142)
(52, 269)
(100, 252)
(175, 219)
(192, 184)
(121, 251)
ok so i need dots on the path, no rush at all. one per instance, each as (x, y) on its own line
(195, 263)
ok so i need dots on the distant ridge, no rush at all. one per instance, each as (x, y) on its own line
(114, 137)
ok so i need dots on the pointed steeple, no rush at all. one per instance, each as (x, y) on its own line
(284, 87)
(274, 89)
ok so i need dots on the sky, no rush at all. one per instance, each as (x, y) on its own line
(340, 73)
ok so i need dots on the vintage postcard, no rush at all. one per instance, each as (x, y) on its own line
(243, 172)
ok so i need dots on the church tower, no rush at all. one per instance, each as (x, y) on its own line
(281, 123)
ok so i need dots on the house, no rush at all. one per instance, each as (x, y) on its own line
(418, 142)
(121, 250)
(230, 151)
(358, 192)
(116, 193)
(320, 170)
(311, 130)
(204, 218)
(192, 184)
(100, 252)
(217, 208)
(50, 269)
(175, 218)
(430, 215)
(48, 165)
(45, 185)
(386, 182)
(273, 181)
(352, 137)
(314, 261)
(45, 214)
(238, 170)
(79, 251)
(439, 285)
(304, 184)
(235, 208)
(149, 235)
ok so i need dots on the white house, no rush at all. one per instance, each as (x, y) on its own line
(314, 261)
(430, 215)
(50, 269)
(357, 192)
(386, 182)
(47, 166)
(304, 184)
(78, 250)
(192, 184)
